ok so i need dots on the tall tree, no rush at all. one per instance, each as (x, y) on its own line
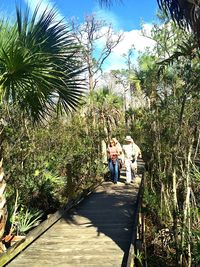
(88, 35)
(39, 71)
(173, 133)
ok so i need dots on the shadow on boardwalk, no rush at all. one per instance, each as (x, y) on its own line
(95, 233)
(110, 212)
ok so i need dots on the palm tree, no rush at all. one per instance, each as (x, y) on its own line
(39, 71)
(107, 111)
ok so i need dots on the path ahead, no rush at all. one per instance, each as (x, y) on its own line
(96, 233)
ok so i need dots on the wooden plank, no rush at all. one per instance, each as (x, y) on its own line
(93, 242)
(95, 233)
(44, 226)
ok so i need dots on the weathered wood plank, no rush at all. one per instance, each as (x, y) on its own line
(44, 226)
(95, 233)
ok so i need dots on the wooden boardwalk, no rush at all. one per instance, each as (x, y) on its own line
(96, 233)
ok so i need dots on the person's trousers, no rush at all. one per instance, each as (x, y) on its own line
(113, 167)
(129, 172)
(119, 167)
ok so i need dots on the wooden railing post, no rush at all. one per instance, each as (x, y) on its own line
(134, 257)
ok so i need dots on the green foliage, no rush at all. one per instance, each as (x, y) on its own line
(185, 14)
(20, 219)
(151, 200)
(170, 137)
(47, 190)
(139, 257)
(51, 163)
(105, 109)
(27, 220)
(39, 70)
(196, 246)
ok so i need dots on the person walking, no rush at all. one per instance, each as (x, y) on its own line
(113, 166)
(131, 153)
(120, 156)
(137, 154)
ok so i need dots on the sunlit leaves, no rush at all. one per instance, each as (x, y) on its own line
(39, 64)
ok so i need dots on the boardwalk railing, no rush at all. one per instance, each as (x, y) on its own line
(117, 195)
(14, 250)
(134, 256)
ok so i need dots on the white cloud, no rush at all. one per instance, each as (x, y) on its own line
(108, 16)
(131, 38)
(43, 5)
(134, 37)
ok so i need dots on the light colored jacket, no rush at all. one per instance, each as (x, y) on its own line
(131, 151)
(137, 152)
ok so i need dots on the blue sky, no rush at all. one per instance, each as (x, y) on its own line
(126, 17)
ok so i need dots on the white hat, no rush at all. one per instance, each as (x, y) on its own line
(128, 138)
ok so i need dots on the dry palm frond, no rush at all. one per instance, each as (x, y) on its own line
(185, 12)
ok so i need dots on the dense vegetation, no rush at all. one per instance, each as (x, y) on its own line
(49, 164)
(170, 78)
(49, 157)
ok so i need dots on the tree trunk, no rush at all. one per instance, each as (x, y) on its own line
(3, 207)
(186, 213)
(175, 202)
(104, 151)
(175, 216)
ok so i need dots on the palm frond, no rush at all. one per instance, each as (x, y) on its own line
(187, 49)
(39, 64)
(184, 12)
(108, 3)
(28, 221)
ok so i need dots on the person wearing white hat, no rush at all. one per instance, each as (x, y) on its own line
(131, 153)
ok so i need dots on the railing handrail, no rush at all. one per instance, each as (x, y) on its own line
(13, 251)
(136, 214)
